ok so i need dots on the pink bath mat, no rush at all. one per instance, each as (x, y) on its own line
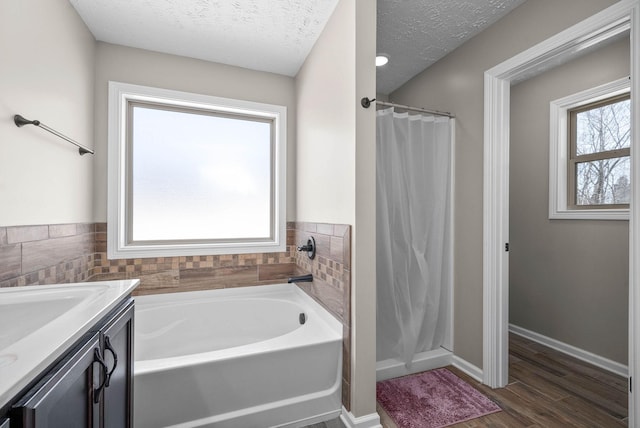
(432, 399)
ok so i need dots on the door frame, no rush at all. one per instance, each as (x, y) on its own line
(609, 23)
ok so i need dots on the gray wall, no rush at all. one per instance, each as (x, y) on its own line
(568, 279)
(455, 84)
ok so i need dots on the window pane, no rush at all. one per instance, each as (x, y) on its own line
(604, 128)
(197, 176)
(603, 181)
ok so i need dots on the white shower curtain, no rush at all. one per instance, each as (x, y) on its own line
(412, 207)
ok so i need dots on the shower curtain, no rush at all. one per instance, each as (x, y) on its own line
(412, 229)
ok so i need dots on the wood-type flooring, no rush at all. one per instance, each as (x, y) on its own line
(548, 389)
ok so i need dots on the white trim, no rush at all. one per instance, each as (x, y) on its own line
(558, 152)
(611, 22)
(496, 232)
(120, 94)
(602, 26)
(371, 420)
(470, 369)
(634, 220)
(573, 351)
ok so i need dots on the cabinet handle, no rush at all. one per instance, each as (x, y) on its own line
(108, 347)
(97, 358)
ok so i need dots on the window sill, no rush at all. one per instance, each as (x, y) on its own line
(600, 214)
(145, 251)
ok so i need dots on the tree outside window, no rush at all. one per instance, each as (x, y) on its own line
(599, 161)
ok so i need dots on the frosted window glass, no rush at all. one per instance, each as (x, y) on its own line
(199, 176)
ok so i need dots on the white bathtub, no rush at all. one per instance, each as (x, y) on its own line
(235, 358)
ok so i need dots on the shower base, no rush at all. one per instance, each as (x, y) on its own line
(392, 368)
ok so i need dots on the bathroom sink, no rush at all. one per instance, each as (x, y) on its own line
(23, 310)
(38, 323)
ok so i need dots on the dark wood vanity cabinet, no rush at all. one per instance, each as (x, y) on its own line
(116, 408)
(63, 397)
(91, 386)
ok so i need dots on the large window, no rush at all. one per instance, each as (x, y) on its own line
(192, 174)
(590, 154)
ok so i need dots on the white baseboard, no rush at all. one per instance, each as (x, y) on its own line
(371, 420)
(581, 354)
(464, 365)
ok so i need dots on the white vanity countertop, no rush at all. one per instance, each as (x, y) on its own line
(39, 323)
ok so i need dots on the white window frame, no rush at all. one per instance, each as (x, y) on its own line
(120, 95)
(559, 152)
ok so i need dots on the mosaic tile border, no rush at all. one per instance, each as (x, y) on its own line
(190, 273)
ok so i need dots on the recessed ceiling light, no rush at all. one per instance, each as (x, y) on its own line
(381, 60)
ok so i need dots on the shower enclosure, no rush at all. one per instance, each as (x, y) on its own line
(413, 233)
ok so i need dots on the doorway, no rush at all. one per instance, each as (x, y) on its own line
(601, 27)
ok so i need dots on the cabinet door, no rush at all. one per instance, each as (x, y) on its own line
(117, 342)
(64, 398)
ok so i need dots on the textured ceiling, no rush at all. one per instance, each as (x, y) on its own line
(277, 35)
(417, 33)
(273, 35)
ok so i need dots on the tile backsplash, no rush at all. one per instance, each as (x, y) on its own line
(62, 253)
(189, 273)
(46, 254)
(52, 254)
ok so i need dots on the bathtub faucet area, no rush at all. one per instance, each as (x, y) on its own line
(301, 278)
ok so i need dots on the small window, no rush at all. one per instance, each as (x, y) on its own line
(192, 174)
(589, 165)
(599, 161)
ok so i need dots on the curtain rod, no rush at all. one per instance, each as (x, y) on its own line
(366, 102)
(21, 121)
(418, 109)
